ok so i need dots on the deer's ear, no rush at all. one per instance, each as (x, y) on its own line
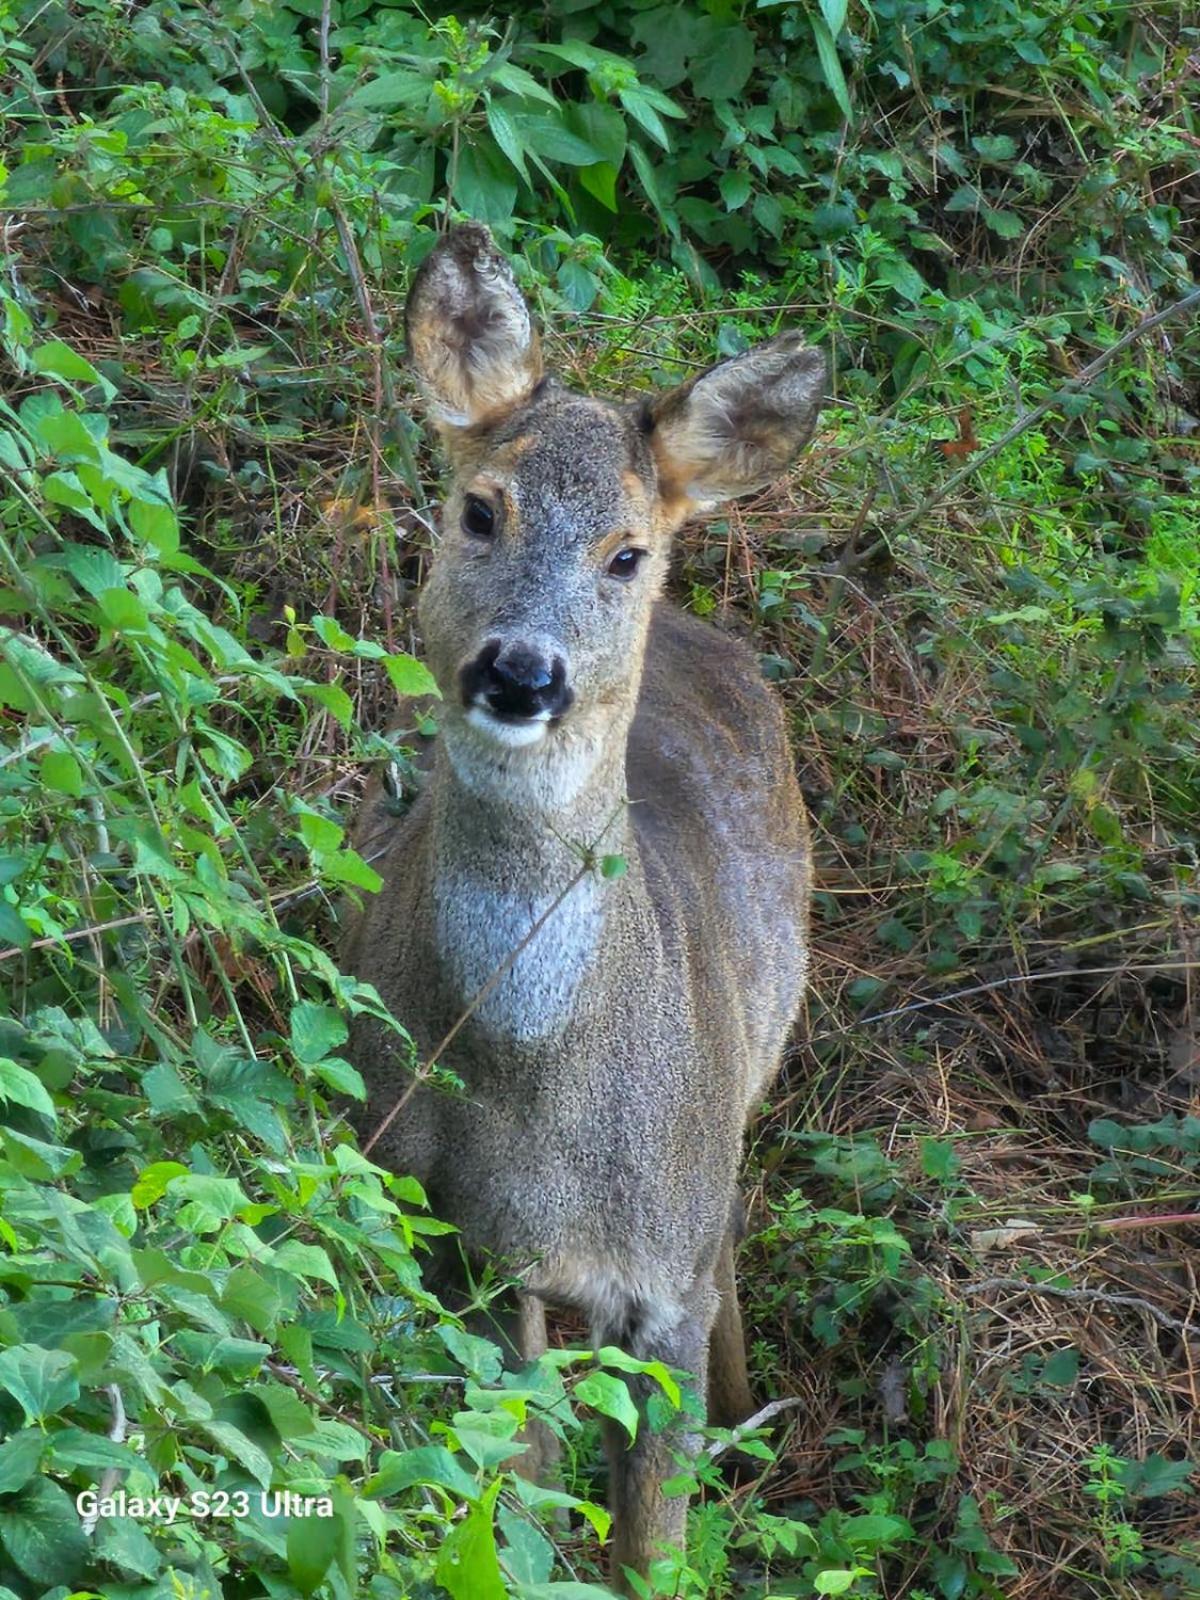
(470, 338)
(738, 425)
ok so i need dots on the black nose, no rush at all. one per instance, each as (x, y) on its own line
(516, 682)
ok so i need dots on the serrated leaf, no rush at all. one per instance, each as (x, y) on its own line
(1062, 1368)
(304, 1261)
(316, 1031)
(504, 131)
(409, 676)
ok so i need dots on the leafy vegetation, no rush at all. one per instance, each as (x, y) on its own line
(980, 597)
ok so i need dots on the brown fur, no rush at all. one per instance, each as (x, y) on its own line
(611, 1071)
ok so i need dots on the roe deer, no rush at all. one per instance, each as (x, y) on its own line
(615, 1048)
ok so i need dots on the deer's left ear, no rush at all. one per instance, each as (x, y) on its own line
(470, 337)
(738, 425)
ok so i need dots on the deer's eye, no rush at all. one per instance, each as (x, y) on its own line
(624, 564)
(478, 518)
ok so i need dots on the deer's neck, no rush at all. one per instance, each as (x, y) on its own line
(521, 909)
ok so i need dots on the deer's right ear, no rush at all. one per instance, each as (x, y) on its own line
(470, 338)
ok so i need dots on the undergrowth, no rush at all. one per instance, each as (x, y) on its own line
(980, 596)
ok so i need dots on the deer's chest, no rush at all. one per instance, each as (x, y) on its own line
(519, 959)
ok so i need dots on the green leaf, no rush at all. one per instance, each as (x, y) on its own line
(836, 1580)
(831, 66)
(426, 1464)
(341, 1077)
(902, 276)
(504, 131)
(468, 1567)
(20, 1458)
(58, 360)
(1156, 1476)
(611, 1356)
(61, 772)
(484, 184)
(600, 181)
(939, 1159)
(41, 1381)
(21, 1087)
(311, 1546)
(723, 64)
(239, 1449)
(389, 91)
(998, 147)
(553, 140)
(1062, 1368)
(305, 1261)
(834, 12)
(75, 1447)
(316, 1031)
(646, 116)
(1007, 224)
(332, 634)
(610, 1396)
(734, 187)
(210, 1202)
(409, 676)
(34, 1158)
(40, 1530)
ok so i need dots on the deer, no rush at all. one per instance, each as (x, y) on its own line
(614, 1031)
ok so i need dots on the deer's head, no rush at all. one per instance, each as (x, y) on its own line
(558, 525)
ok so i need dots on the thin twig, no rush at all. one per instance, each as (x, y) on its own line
(1100, 1296)
(112, 1475)
(758, 1420)
(315, 1399)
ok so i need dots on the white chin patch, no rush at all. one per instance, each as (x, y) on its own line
(511, 734)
